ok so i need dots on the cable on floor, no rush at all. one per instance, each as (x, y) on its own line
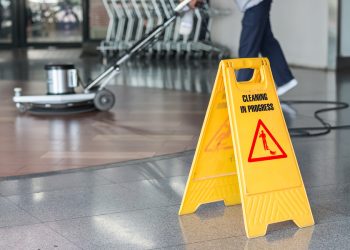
(326, 127)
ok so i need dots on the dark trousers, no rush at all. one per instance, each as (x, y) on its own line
(256, 37)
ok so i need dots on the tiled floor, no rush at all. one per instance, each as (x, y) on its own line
(134, 205)
(160, 106)
(146, 121)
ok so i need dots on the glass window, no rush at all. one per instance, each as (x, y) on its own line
(98, 19)
(54, 21)
(5, 21)
(345, 31)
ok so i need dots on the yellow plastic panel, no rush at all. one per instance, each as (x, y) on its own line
(213, 175)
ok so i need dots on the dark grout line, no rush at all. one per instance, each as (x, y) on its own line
(92, 168)
(92, 186)
(58, 233)
(61, 189)
(112, 213)
(25, 211)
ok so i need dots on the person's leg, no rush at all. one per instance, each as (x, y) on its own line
(271, 49)
(253, 27)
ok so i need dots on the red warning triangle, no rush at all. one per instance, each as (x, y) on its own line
(265, 146)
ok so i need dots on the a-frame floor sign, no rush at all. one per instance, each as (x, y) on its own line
(245, 155)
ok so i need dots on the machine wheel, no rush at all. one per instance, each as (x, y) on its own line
(104, 100)
(21, 107)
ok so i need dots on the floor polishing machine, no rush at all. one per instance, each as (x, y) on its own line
(63, 80)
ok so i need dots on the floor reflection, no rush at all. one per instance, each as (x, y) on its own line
(216, 221)
(195, 76)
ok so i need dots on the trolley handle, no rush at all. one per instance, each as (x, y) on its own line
(139, 45)
(181, 5)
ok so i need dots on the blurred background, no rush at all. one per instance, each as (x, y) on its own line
(313, 34)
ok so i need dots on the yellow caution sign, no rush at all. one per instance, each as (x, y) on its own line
(245, 155)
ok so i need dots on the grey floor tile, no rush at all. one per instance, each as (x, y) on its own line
(324, 236)
(337, 205)
(333, 197)
(11, 215)
(147, 170)
(333, 145)
(170, 189)
(189, 158)
(314, 150)
(328, 192)
(139, 230)
(285, 239)
(316, 178)
(52, 182)
(331, 236)
(33, 237)
(323, 215)
(236, 243)
(184, 156)
(303, 118)
(279, 236)
(177, 166)
(151, 228)
(73, 203)
(126, 173)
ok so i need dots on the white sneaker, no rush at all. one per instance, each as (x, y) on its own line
(286, 87)
(186, 24)
(288, 110)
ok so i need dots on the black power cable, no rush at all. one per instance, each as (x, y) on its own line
(326, 127)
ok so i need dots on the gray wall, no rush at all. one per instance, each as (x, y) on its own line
(345, 29)
(302, 27)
